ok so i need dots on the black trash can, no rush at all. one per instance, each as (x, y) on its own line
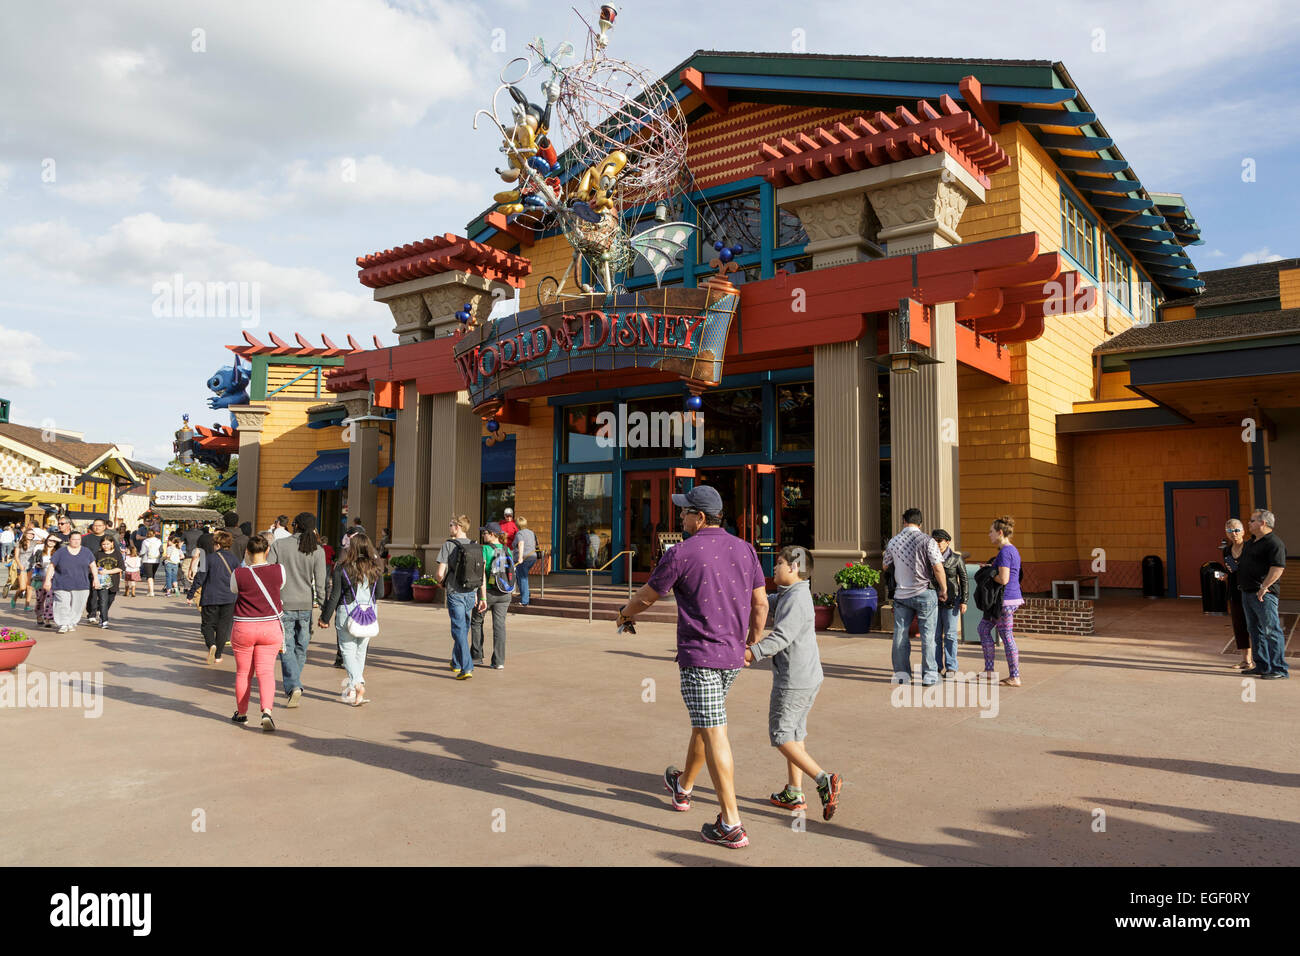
(1153, 576)
(1214, 592)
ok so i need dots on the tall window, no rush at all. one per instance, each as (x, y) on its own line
(586, 517)
(1146, 302)
(735, 220)
(1117, 276)
(1078, 234)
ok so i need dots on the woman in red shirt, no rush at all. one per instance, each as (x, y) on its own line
(257, 635)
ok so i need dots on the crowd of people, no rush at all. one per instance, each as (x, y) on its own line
(257, 592)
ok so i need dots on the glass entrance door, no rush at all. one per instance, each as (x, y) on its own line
(647, 510)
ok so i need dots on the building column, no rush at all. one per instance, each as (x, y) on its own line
(920, 204)
(846, 443)
(249, 419)
(455, 473)
(841, 227)
(410, 494)
(363, 462)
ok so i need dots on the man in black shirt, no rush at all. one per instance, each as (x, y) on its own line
(1263, 560)
(90, 539)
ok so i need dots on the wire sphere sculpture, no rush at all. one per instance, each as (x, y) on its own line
(606, 105)
(604, 241)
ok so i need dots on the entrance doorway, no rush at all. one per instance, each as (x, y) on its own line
(648, 512)
(1196, 513)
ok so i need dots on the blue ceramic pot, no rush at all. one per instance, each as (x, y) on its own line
(857, 608)
(402, 578)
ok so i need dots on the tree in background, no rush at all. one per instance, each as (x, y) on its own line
(216, 500)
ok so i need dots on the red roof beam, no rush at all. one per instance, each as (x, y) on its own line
(986, 113)
(718, 99)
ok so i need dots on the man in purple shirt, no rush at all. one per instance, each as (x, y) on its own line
(721, 609)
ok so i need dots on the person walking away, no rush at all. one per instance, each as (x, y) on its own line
(1007, 565)
(1234, 543)
(280, 530)
(951, 610)
(40, 571)
(721, 607)
(190, 536)
(131, 562)
(499, 589)
(358, 575)
(6, 542)
(27, 550)
(525, 546)
(71, 582)
(173, 558)
(151, 552)
(796, 679)
(256, 635)
(915, 556)
(238, 537)
(109, 561)
(217, 601)
(462, 574)
(303, 560)
(1262, 563)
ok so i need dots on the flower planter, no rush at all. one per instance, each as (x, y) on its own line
(823, 616)
(424, 593)
(13, 653)
(857, 608)
(402, 579)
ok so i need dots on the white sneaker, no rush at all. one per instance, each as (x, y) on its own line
(63, 629)
(349, 692)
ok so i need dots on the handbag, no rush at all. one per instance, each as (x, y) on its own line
(363, 620)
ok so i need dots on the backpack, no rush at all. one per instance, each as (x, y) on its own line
(363, 619)
(467, 566)
(503, 571)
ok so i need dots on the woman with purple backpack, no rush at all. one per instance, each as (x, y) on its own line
(357, 576)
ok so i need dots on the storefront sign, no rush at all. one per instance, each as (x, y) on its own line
(682, 331)
(178, 497)
(16, 481)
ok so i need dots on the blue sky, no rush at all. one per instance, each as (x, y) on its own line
(139, 141)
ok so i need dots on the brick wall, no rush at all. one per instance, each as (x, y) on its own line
(1045, 616)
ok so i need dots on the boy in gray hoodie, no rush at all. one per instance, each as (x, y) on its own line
(796, 679)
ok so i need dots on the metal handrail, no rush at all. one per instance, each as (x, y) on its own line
(591, 581)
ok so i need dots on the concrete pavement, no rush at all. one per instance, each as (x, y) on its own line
(557, 759)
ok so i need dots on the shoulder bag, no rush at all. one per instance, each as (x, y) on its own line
(363, 621)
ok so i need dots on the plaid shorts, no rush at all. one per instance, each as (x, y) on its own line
(705, 691)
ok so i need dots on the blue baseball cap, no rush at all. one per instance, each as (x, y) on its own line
(700, 498)
(492, 527)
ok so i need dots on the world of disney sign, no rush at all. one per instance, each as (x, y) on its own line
(679, 331)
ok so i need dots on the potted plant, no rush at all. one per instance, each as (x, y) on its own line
(15, 645)
(823, 610)
(406, 568)
(424, 590)
(857, 598)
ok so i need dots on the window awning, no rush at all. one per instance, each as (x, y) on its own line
(385, 478)
(328, 472)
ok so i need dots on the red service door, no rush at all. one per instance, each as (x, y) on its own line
(1199, 517)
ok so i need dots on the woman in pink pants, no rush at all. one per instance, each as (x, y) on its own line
(257, 635)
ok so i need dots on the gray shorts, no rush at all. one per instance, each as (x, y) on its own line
(787, 714)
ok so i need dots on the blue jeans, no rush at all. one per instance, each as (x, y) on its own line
(353, 650)
(459, 608)
(172, 570)
(522, 576)
(1265, 632)
(946, 642)
(297, 635)
(925, 606)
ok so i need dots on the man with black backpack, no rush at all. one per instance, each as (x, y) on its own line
(499, 565)
(461, 572)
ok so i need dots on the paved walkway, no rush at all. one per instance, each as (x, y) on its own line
(556, 759)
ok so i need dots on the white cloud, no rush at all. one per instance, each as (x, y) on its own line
(21, 353)
(111, 190)
(142, 249)
(6, 174)
(197, 198)
(1256, 257)
(328, 72)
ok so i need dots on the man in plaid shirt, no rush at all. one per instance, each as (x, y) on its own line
(915, 558)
